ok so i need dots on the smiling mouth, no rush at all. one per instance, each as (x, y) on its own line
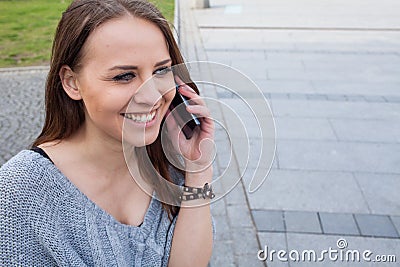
(140, 118)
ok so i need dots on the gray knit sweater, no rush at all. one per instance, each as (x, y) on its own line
(45, 221)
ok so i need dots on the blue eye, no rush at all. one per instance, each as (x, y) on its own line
(125, 77)
(163, 71)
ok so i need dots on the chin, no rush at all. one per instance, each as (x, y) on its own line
(149, 139)
(136, 143)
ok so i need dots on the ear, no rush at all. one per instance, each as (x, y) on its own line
(69, 82)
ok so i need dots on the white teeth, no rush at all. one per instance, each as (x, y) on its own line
(141, 118)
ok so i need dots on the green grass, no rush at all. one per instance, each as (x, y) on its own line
(166, 7)
(28, 26)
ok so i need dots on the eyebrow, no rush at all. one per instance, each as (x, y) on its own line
(162, 62)
(131, 67)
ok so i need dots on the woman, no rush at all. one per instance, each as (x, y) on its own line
(71, 199)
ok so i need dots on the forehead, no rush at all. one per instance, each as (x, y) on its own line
(125, 40)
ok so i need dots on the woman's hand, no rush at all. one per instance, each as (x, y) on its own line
(198, 151)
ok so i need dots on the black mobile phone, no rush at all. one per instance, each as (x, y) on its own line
(186, 120)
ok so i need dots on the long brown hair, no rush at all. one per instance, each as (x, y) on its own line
(64, 115)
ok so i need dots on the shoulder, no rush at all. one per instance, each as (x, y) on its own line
(25, 177)
(25, 167)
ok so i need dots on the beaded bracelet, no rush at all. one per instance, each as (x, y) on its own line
(205, 192)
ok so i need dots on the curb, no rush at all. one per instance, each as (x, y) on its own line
(25, 69)
(177, 23)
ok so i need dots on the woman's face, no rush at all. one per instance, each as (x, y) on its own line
(118, 57)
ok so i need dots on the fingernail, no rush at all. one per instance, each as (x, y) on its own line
(188, 88)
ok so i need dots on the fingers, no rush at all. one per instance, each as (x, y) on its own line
(179, 80)
(201, 111)
(188, 92)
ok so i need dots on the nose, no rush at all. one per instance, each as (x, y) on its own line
(147, 94)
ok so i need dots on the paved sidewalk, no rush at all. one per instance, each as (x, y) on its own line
(331, 72)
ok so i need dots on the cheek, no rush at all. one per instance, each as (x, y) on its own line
(93, 104)
(169, 96)
(104, 101)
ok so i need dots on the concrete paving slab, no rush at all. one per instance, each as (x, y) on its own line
(269, 220)
(224, 248)
(345, 46)
(273, 241)
(355, 98)
(376, 225)
(278, 95)
(351, 62)
(220, 57)
(302, 221)
(332, 109)
(269, 86)
(236, 197)
(382, 131)
(385, 98)
(380, 192)
(297, 75)
(222, 228)
(335, 14)
(303, 128)
(233, 39)
(309, 191)
(281, 64)
(338, 223)
(358, 88)
(374, 98)
(297, 96)
(240, 54)
(243, 244)
(255, 69)
(239, 216)
(249, 260)
(396, 222)
(392, 98)
(316, 97)
(354, 76)
(251, 173)
(218, 208)
(340, 98)
(338, 156)
(250, 62)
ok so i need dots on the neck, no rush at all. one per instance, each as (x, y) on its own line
(100, 151)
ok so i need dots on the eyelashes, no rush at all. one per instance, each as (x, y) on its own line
(124, 77)
(163, 71)
(128, 76)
